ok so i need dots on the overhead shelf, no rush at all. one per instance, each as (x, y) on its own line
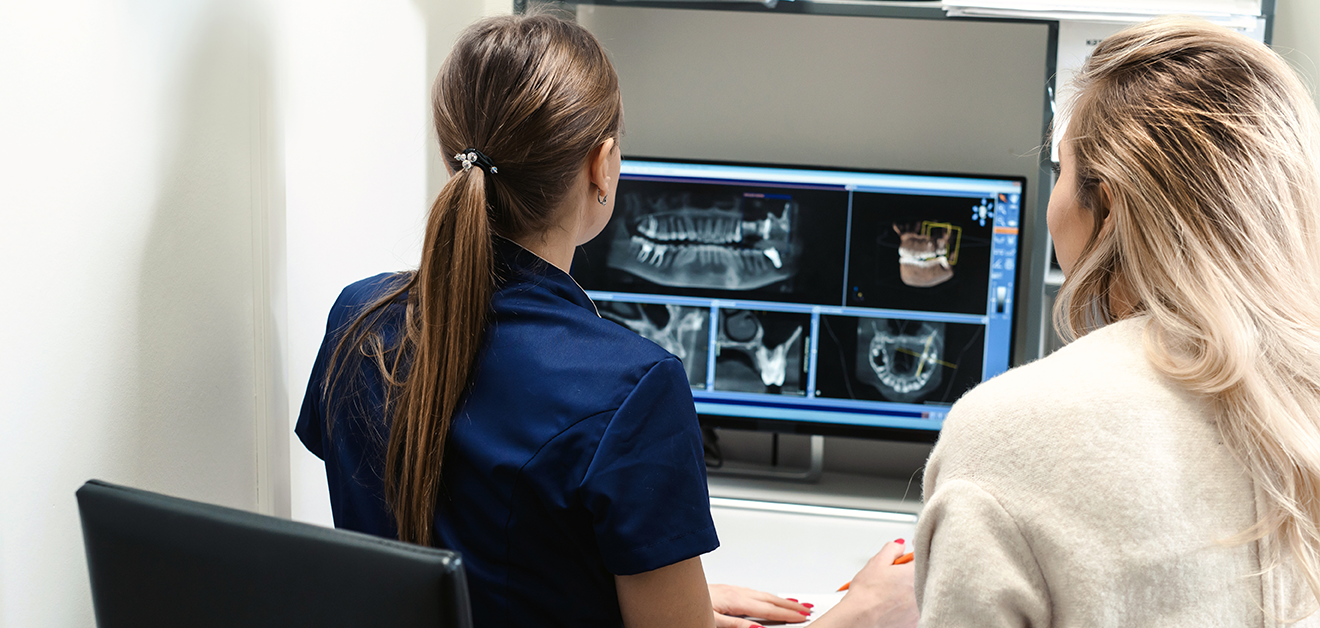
(907, 9)
(919, 9)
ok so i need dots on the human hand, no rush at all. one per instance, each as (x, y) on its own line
(732, 603)
(881, 595)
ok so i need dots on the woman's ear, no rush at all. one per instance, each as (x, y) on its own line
(598, 165)
(1106, 205)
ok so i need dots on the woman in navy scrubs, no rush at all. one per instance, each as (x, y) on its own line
(480, 404)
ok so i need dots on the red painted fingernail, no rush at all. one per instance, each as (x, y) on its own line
(805, 614)
(807, 605)
(791, 599)
(900, 541)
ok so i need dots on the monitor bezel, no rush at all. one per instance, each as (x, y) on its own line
(875, 432)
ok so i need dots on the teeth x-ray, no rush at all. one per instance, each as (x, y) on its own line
(902, 359)
(725, 242)
(925, 254)
(681, 330)
(899, 360)
(918, 253)
(761, 352)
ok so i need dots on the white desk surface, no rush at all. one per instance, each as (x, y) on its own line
(803, 538)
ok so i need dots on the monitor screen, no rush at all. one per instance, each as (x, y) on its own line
(809, 299)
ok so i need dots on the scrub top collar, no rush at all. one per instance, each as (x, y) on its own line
(521, 263)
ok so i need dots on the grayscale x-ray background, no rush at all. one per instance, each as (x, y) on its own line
(925, 95)
(683, 331)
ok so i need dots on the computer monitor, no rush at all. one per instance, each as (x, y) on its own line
(814, 300)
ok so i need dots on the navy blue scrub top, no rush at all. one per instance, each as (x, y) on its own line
(575, 456)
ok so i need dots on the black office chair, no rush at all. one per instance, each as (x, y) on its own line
(162, 561)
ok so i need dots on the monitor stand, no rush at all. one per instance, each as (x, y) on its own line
(810, 475)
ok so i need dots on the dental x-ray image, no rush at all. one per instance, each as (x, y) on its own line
(725, 243)
(901, 359)
(761, 352)
(922, 253)
(719, 240)
(927, 253)
(905, 361)
(681, 330)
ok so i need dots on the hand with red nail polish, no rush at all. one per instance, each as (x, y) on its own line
(881, 595)
(734, 604)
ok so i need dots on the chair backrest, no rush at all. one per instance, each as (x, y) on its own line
(156, 560)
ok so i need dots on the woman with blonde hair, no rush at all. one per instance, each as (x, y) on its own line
(1164, 468)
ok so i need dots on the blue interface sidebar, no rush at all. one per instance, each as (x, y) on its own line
(1003, 269)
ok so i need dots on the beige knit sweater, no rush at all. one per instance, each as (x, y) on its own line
(1085, 489)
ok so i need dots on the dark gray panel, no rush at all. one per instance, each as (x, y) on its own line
(883, 93)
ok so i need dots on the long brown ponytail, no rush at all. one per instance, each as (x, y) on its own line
(535, 94)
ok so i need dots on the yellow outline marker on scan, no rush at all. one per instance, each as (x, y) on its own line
(957, 242)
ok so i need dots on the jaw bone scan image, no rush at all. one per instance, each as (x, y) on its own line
(902, 359)
(680, 330)
(925, 257)
(718, 241)
(760, 352)
(918, 253)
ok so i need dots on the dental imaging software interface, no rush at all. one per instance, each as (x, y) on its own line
(863, 299)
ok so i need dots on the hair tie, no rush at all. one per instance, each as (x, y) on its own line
(472, 156)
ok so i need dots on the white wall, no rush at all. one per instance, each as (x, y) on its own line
(355, 139)
(163, 302)
(134, 199)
